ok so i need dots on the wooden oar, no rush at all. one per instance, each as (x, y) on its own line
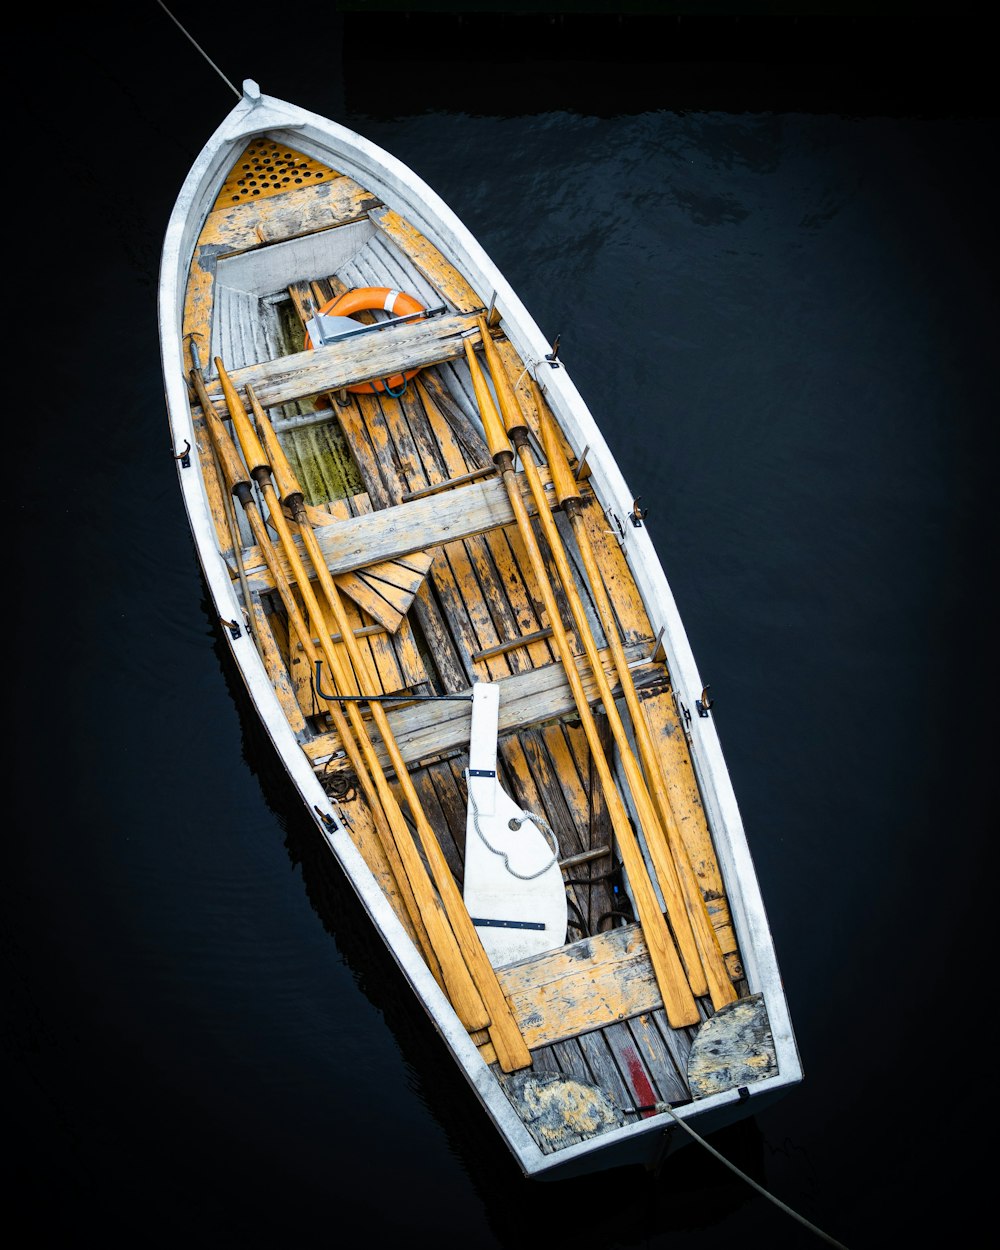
(511, 1050)
(685, 904)
(237, 479)
(568, 494)
(461, 989)
(678, 1000)
(198, 382)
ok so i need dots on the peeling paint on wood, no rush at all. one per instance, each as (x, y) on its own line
(558, 1110)
(734, 1048)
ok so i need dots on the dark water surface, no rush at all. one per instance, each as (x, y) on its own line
(786, 322)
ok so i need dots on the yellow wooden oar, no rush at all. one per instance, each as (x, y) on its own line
(237, 479)
(685, 904)
(461, 989)
(678, 1000)
(511, 1050)
(198, 382)
(720, 985)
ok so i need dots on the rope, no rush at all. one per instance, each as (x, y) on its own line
(235, 90)
(532, 365)
(665, 1106)
(543, 825)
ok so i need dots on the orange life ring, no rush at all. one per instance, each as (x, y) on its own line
(368, 299)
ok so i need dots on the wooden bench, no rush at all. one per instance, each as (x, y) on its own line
(528, 698)
(605, 983)
(356, 359)
(397, 531)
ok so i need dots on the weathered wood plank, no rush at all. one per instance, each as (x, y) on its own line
(630, 612)
(428, 260)
(439, 404)
(379, 477)
(388, 461)
(399, 530)
(597, 1049)
(365, 595)
(382, 353)
(429, 452)
(644, 1062)
(427, 792)
(685, 802)
(525, 699)
(735, 1047)
(407, 455)
(587, 985)
(487, 599)
(271, 219)
(501, 576)
(448, 777)
(678, 1041)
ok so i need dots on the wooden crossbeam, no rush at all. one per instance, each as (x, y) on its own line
(411, 345)
(527, 698)
(593, 983)
(400, 530)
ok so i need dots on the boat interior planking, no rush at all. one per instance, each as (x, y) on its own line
(447, 585)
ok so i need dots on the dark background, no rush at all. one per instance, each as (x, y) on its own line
(767, 240)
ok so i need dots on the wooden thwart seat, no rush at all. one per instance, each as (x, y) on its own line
(593, 983)
(527, 698)
(401, 529)
(378, 354)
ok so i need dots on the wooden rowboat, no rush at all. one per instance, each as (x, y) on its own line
(448, 614)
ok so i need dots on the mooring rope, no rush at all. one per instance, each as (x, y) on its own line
(235, 90)
(665, 1106)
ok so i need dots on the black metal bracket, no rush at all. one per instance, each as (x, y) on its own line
(326, 818)
(704, 703)
(184, 456)
(506, 924)
(553, 356)
(638, 515)
(232, 626)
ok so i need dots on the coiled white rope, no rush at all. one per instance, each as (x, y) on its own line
(543, 825)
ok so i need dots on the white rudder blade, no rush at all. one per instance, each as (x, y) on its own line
(513, 885)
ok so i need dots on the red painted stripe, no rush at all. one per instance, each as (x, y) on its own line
(645, 1095)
